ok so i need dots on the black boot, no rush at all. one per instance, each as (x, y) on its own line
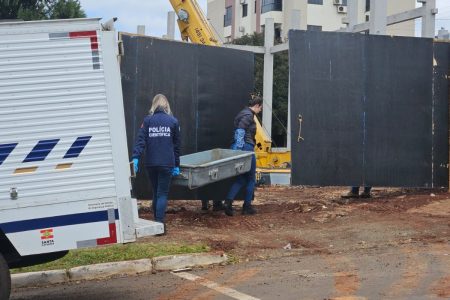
(205, 204)
(218, 205)
(248, 209)
(229, 208)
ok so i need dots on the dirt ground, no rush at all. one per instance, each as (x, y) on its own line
(313, 220)
(303, 243)
(411, 227)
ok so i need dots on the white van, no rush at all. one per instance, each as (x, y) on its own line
(64, 171)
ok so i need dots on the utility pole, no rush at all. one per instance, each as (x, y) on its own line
(170, 25)
(378, 15)
(269, 35)
(429, 18)
(352, 14)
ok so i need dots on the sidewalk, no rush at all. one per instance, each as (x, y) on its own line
(106, 270)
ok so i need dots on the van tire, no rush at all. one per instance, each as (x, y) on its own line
(5, 279)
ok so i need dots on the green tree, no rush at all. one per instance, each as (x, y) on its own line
(36, 10)
(280, 85)
(67, 9)
(40, 9)
(11, 9)
(280, 98)
(255, 39)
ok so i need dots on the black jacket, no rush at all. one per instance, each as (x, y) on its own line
(245, 120)
(160, 136)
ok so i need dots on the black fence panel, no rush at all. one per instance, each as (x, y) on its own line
(326, 88)
(206, 87)
(374, 111)
(398, 145)
(441, 101)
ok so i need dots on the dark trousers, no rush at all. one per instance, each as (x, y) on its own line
(248, 179)
(160, 178)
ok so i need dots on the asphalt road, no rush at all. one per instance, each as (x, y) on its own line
(410, 271)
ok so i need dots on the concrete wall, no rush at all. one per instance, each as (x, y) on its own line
(294, 5)
(248, 22)
(325, 15)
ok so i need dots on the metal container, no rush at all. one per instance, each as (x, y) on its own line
(202, 168)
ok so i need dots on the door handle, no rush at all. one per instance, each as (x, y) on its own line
(300, 120)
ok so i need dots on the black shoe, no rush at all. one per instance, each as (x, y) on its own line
(365, 195)
(218, 206)
(248, 210)
(350, 195)
(229, 208)
(205, 205)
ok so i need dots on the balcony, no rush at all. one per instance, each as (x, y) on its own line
(271, 5)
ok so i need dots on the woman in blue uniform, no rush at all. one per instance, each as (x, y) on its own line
(159, 136)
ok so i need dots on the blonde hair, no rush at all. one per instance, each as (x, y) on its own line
(160, 101)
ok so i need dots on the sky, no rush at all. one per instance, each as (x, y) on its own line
(131, 13)
(153, 14)
(443, 17)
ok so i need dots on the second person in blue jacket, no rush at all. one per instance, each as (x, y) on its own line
(159, 136)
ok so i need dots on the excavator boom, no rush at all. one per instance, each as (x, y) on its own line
(193, 23)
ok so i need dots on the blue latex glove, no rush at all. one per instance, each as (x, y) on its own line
(136, 165)
(176, 171)
(238, 139)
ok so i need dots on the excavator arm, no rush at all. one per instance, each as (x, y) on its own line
(192, 23)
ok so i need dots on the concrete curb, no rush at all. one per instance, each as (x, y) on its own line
(100, 271)
(173, 262)
(38, 278)
(105, 270)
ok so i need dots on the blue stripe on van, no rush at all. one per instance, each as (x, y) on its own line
(77, 146)
(41, 150)
(5, 151)
(57, 221)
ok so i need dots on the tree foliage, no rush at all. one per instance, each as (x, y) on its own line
(28, 10)
(67, 9)
(280, 85)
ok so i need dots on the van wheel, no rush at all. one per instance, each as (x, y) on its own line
(5, 279)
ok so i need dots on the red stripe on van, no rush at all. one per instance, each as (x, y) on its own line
(86, 34)
(112, 239)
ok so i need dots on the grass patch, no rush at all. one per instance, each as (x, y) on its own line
(119, 252)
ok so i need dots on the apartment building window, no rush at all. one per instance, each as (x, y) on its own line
(271, 5)
(367, 5)
(277, 33)
(317, 2)
(228, 16)
(244, 10)
(314, 28)
(255, 6)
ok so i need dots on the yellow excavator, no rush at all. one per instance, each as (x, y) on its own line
(195, 27)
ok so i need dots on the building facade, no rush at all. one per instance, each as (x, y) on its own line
(235, 18)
